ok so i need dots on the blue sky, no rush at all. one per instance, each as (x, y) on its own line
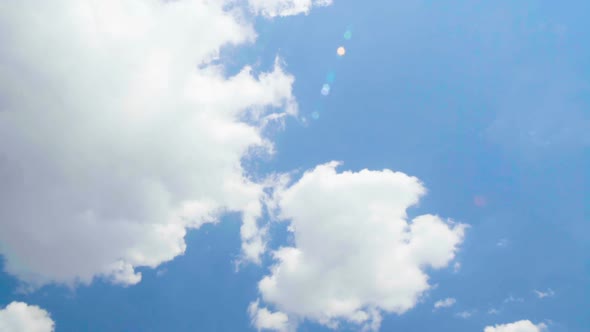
(485, 102)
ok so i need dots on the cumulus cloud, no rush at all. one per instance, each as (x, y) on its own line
(272, 8)
(446, 303)
(21, 317)
(119, 132)
(355, 254)
(263, 319)
(520, 326)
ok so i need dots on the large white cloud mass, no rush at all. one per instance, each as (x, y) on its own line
(20, 317)
(520, 326)
(355, 255)
(118, 132)
(272, 8)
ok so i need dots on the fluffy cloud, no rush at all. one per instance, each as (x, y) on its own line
(355, 255)
(20, 317)
(263, 319)
(272, 8)
(446, 303)
(119, 132)
(520, 326)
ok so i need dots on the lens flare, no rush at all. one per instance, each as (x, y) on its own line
(341, 51)
(480, 201)
(330, 77)
(315, 115)
(325, 89)
(348, 35)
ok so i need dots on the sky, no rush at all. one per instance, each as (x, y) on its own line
(294, 165)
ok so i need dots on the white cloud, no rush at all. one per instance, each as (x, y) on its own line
(272, 8)
(542, 295)
(446, 303)
(356, 254)
(263, 319)
(161, 272)
(511, 298)
(502, 243)
(119, 133)
(457, 267)
(520, 326)
(493, 311)
(20, 317)
(465, 314)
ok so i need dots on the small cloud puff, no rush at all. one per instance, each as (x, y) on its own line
(542, 295)
(520, 326)
(465, 314)
(446, 303)
(263, 319)
(511, 298)
(272, 8)
(502, 243)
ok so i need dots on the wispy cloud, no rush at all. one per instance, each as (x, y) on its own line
(465, 314)
(446, 303)
(502, 243)
(523, 325)
(542, 295)
(513, 299)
